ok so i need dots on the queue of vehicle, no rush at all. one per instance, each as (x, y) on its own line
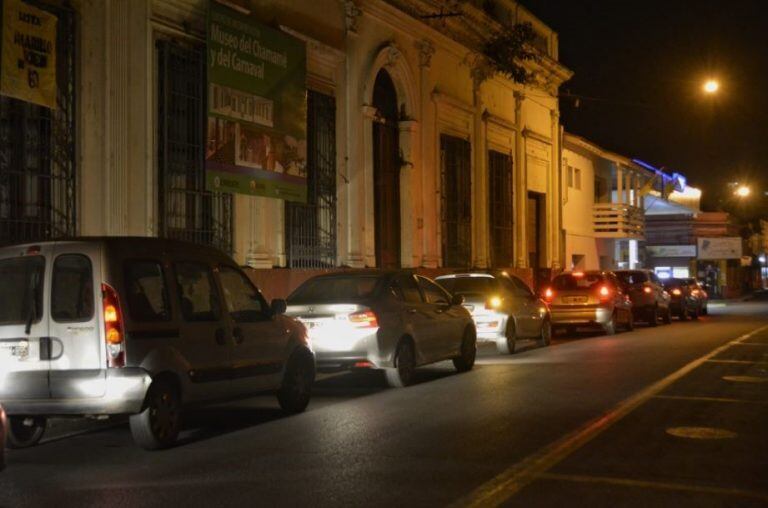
(149, 328)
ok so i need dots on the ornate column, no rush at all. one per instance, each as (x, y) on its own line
(408, 148)
(361, 213)
(427, 222)
(521, 187)
(555, 206)
(480, 237)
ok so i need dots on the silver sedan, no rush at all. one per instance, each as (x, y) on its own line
(394, 321)
(503, 307)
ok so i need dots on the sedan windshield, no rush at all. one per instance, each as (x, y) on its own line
(335, 289)
(469, 285)
(569, 281)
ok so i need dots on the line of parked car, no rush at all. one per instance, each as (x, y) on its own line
(149, 328)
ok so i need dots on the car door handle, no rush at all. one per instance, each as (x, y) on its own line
(221, 337)
(238, 335)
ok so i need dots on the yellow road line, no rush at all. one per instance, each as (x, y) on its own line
(627, 482)
(741, 362)
(510, 481)
(711, 399)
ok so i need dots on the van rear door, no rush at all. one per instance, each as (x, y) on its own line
(78, 360)
(24, 336)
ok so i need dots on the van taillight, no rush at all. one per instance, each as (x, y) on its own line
(605, 292)
(114, 334)
(549, 294)
(365, 319)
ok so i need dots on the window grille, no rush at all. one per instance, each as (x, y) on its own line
(500, 210)
(310, 228)
(37, 153)
(187, 211)
(456, 201)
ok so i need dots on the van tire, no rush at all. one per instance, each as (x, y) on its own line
(158, 425)
(296, 389)
(24, 431)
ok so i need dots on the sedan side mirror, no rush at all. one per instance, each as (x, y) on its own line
(279, 306)
(457, 300)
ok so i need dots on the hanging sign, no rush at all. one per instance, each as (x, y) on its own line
(257, 108)
(28, 54)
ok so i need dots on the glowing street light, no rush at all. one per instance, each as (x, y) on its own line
(711, 86)
(743, 191)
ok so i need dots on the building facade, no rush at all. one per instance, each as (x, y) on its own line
(417, 156)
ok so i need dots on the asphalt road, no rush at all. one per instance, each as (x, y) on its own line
(670, 416)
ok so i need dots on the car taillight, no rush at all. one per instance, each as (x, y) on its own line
(604, 292)
(647, 290)
(695, 292)
(549, 294)
(114, 334)
(677, 292)
(365, 319)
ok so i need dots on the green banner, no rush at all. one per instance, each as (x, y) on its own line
(257, 108)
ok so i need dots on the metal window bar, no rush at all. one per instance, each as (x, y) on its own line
(311, 227)
(37, 152)
(456, 201)
(500, 208)
(187, 210)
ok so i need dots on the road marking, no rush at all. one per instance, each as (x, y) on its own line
(740, 362)
(760, 344)
(510, 481)
(701, 433)
(627, 482)
(711, 399)
(746, 379)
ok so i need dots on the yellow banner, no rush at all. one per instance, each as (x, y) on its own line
(28, 54)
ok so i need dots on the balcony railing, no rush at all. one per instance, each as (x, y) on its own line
(615, 220)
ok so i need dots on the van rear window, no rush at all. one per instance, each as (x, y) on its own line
(21, 291)
(146, 292)
(72, 291)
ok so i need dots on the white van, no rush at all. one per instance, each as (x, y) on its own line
(138, 326)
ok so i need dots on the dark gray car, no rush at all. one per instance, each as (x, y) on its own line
(394, 321)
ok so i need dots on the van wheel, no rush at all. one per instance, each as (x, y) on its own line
(466, 360)
(506, 346)
(159, 423)
(296, 390)
(25, 431)
(405, 365)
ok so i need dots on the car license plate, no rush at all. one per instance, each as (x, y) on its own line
(313, 324)
(575, 299)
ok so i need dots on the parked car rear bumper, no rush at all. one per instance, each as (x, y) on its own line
(122, 392)
(339, 352)
(563, 315)
(491, 327)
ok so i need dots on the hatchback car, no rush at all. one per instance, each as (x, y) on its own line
(592, 298)
(650, 301)
(685, 304)
(138, 326)
(394, 321)
(503, 307)
(697, 289)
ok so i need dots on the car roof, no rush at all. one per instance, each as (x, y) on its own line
(467, 275)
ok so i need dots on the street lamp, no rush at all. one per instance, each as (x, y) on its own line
(743, 191)
(711, 86)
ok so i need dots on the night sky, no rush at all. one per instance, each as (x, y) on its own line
(640, 67)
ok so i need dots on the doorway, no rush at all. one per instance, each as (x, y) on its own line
(386, 173)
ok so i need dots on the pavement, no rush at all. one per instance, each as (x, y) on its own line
(668, 416)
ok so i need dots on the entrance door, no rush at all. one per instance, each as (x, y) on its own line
(386, 173)
(535, 233)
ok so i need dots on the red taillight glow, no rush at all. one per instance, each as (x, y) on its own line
(363, 365)
(365, 319)
(549, 295)
(578, 274)
(604, 292)
(113, 327)
(647, 290)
